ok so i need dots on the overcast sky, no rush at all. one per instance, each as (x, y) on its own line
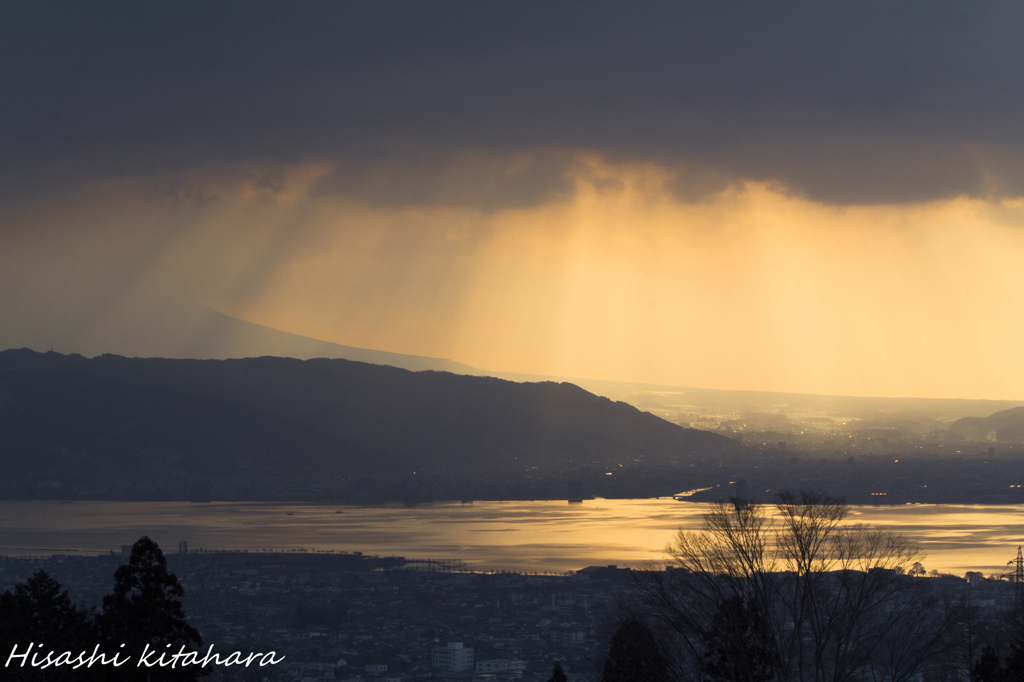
(789, 196)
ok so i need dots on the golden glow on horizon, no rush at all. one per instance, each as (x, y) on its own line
(751, 289)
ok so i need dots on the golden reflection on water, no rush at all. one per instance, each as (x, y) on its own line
(520, 536)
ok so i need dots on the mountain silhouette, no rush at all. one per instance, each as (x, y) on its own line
(329, 418)
(1006, 426)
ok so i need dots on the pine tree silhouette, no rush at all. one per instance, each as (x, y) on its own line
(145, 609)
(40, 612)
(737, 645)
(557, 675)
(634, 655)
(988, 669)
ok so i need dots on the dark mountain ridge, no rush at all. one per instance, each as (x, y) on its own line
(335, 418)
(130, 428)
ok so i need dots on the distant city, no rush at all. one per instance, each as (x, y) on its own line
(358, 618)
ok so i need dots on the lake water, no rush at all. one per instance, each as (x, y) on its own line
(521, 536)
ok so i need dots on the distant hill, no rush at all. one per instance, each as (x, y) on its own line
(665, 399)
(186, 330)
(1006, 426)
(331, 418)
(227, 337)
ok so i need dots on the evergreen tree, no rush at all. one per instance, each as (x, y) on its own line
(40, 612)
(634, 655)
(737, 646)
(1013, 669)
(987, 669)
(557, 675)
(145, 609)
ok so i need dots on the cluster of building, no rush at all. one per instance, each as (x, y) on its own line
(345, 617)
(363, 619)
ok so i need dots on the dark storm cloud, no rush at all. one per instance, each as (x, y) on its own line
(842, 102)
(444, 178)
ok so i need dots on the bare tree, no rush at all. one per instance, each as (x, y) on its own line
(831, 600)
